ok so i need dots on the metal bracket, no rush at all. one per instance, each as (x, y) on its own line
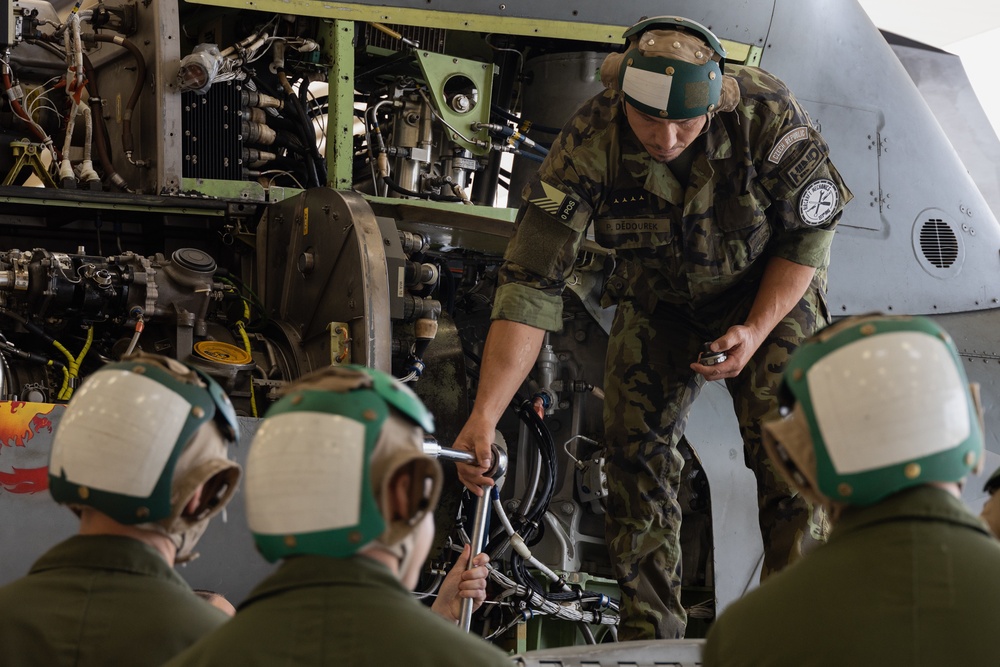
(29, 155)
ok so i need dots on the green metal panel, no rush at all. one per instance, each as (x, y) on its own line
(543, 632)
(248, 190)
(448, 208)
(441, 72)
(163, 205)
(753, 57)
(337, 42)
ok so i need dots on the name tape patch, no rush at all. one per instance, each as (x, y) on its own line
(613, 227)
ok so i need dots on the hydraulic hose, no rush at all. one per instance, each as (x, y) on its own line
(303, 130)
(128, 144)
(15, 104)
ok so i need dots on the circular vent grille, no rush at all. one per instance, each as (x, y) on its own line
(939, 248)
(938, 243)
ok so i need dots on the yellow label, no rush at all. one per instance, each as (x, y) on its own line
(305, 222)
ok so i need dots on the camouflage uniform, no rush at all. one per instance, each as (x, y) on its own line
(690, 260)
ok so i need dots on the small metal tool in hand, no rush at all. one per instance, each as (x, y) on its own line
(709, 358)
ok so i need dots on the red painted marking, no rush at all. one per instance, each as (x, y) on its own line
(20, 422)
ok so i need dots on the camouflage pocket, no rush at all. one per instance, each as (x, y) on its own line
(742, 229)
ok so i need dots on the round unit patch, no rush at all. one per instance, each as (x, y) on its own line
(818, 202)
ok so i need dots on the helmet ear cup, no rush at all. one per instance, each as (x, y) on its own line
(425, 488)
(391, 459)
(790, 447)
(215, 494)
(205, 480)
(611, 70)
(730, 95)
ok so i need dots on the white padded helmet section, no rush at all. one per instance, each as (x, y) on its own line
(888, 399)
(649, 88)
(107, 440)
(304, 473)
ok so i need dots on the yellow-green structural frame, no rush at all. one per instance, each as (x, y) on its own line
(337, 40)
(507, 25)
(489, 23)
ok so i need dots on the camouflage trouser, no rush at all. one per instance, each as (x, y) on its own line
(649, 390)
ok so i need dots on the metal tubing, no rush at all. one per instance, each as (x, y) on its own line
(433, 449)
(479, 530)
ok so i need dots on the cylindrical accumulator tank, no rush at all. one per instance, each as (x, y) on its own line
(555, 85)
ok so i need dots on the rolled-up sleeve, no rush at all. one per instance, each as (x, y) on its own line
(548, 232)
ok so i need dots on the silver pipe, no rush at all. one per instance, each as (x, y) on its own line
(477, 541)
(434, 450)
(479, 523)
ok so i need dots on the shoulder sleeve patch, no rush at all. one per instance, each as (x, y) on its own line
(805, 164)
(819, 202)
(785, 142)
(555, 202)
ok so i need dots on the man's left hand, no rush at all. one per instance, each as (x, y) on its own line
(461, 583)
(739, 343)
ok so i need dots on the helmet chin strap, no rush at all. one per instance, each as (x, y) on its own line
(409, 552)
(203, 469)
(183, 534)
(186, 541)
(401, 552)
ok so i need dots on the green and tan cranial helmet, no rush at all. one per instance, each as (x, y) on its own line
(320, 465)
(138, 439)
(881, 404)
(673, 69)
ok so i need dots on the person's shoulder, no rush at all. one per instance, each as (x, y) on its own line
(219, 646)
(783, 590)
(756, 82)
(765, 100)
(460, 648)
(150, 602)
(752, 622)
(262, 632)
(443, 643)
(15, 587)
(205, 652)
(592, 120)
(603, 108)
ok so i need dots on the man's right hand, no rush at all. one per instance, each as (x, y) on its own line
(509, 353)
(477, 436)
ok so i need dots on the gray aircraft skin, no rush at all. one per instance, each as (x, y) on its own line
(334, 226)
